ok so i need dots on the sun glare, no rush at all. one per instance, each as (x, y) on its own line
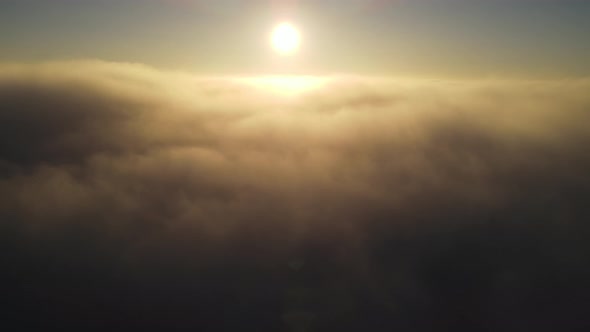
(286, 39)
(286, 85)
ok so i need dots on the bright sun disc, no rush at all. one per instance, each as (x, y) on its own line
(286, 39)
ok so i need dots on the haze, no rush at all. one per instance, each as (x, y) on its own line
(409, 165)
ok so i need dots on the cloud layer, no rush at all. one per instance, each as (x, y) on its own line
(135, 198)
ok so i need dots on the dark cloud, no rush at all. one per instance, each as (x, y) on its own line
(137, 199)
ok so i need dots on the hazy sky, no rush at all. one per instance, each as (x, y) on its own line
(403, 37)
(144, 187)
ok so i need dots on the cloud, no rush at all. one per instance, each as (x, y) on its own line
(411, 202)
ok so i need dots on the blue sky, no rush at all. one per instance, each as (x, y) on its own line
(399, 37)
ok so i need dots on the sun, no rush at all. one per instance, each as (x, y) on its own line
(286, 39)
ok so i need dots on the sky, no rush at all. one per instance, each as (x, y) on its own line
(443, 38)
(416, 166)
